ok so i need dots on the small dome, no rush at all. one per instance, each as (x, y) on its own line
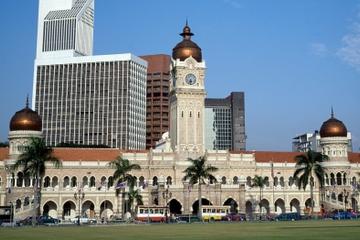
(333, 128)
(26, 120)
(186, 47)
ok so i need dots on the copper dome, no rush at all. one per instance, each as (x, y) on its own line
(186, 47)
(26, 120)
(333, 128)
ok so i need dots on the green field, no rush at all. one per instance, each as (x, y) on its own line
(219, 231)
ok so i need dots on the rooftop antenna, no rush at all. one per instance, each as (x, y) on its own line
(332, 112)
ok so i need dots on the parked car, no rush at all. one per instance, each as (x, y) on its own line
(288, 217)
(187, 219)
(41, 220)
(235, 217)
(46, 220)
(83, 220)
(344, 215)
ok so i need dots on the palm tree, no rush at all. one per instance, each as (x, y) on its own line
(198, 172)
(122, 176)
(135, 199)
(309, 165)
(259, 181)
(33, 163)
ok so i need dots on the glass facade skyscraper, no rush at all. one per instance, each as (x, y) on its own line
(225, 123)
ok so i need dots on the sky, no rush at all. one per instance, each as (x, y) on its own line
(293, 59)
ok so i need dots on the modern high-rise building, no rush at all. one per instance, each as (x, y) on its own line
(84, 99)
(157, 100)
(225, 122)
(65, 28)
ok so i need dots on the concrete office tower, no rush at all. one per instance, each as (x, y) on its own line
(65, 28)
(225, 122)
(157, 100)
(84, 99)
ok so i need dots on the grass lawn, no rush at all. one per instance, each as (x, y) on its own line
(219, 231)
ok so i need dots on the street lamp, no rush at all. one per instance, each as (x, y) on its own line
(166, 195)
(79, 195)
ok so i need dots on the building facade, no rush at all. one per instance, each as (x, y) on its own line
(157, 97)
(84, 99)
(163, 170)
(225, 123)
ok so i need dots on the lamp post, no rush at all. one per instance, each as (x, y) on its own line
(79, 195)
(166, 195)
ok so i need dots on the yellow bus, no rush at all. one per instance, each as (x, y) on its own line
(214, 213)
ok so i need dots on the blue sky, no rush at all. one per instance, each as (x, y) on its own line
(293, 59)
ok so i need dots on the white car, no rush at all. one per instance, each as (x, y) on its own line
(83, 220)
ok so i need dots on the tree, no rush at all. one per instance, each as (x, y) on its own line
(135, 199)
(307, 166)
(33, 164)
(122, 176)
(198, 172)
(259, 181)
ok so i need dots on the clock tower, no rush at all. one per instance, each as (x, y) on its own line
(187, 96)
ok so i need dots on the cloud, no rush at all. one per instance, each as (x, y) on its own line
(350, 50)
(233, 3)
(318, 49)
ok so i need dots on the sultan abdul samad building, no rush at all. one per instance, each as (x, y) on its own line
(162, 168)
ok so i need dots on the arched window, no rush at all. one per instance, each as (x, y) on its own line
(266, 180)
(282, 182)
(168, 180)
(55, 181)
(66, 182)
(291, 181)
(248, 181)
(47, 181)
(182, 114)
(110, 181)
(235, 180)
(155, 181)
(327, 182)
(92, 181)
(73, 182)
(26, 201)
(276, 181)
(353, 181)
(103, 181)
(190, 114)
(18, 204)
(142, 182)
(27, 180)
(85, 181)
(0, 182)
(344, 179)
(198, 114)
(332, 179)
(20, 179)
(338, 179)
(223, 180)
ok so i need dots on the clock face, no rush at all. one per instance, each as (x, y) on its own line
(190, 79)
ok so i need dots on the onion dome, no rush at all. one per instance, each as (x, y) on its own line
(333, 127)
(26, 120)
(186, 47)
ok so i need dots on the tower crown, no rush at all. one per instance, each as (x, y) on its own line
(186, 47)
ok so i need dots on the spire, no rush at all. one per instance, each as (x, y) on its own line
(332, 112)
(27, 101)
(186, 34)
